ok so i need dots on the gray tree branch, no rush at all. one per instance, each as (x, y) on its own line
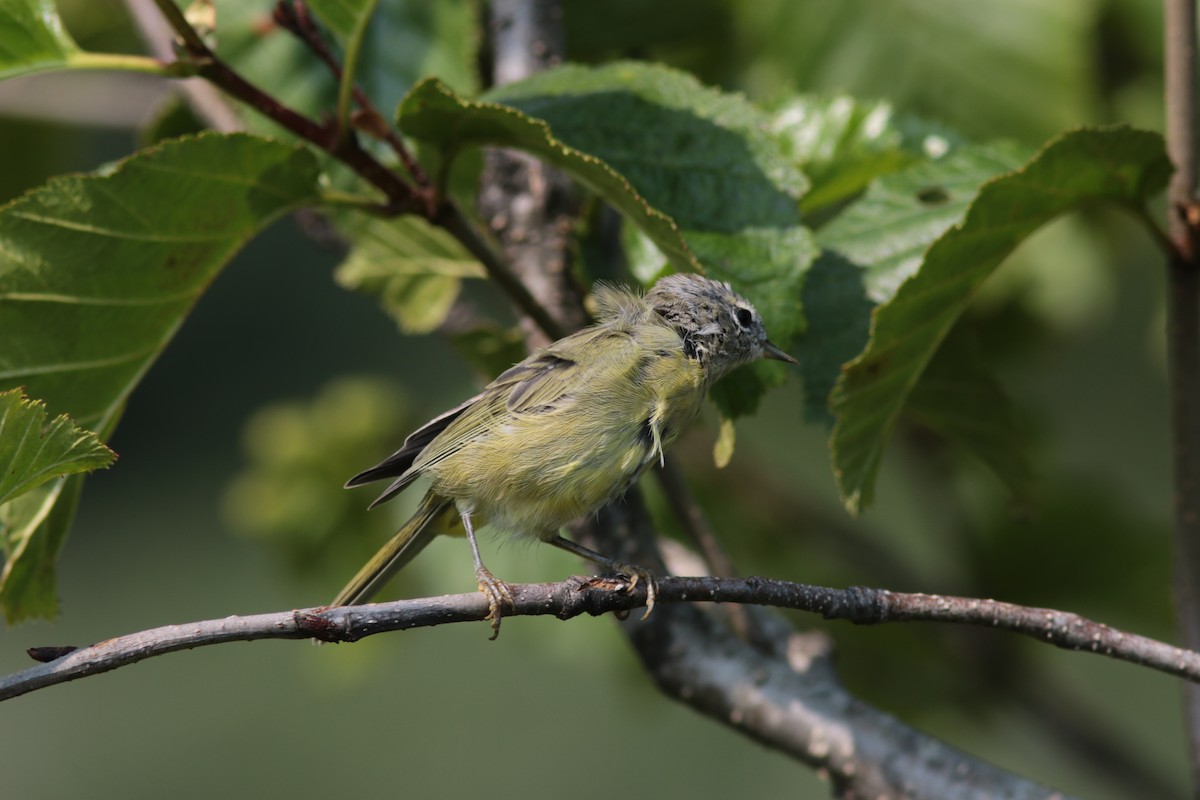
(1183, 335)
(611, 593)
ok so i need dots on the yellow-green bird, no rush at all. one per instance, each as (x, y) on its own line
(569, 428)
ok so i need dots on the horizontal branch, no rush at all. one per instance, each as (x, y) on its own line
(596, 596)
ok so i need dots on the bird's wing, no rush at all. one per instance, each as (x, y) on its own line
(547, 381)
(399, 465)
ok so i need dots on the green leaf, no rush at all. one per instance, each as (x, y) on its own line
(35, 526)
(406, 41)
(872, 247)
(433, 112)
(342, 16)
(839, 317)
(701, 155)
(1114, 165)
(889, 229)
(842, 144)
(97, 272)
(34, 451)
(414, 268)
(32, 38)
(988, 69)
(963, 402)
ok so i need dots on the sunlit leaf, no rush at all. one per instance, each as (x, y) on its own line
(842, 144)
(414, 269)
(34, 450)
(433, 112)
(97, 272)
(32, 38)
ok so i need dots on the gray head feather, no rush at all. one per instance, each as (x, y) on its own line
(720, 328)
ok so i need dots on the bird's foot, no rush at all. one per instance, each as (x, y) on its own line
(497, 593)
(636, 575)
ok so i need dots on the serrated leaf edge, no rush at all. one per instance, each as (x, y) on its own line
(435, 84)
(854, 500)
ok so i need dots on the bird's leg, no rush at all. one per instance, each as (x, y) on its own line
(635, 573)
(495, 590)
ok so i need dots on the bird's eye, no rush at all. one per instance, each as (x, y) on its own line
(744, 316)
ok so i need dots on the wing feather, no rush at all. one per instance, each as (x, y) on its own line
(543, 383)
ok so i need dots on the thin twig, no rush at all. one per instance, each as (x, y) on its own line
(183, 29)
(575, 596)
(294, 18)
(202, 96)
(402, 198)
(691, 517)
(346, 85)
(695, 524)
(1183, 337)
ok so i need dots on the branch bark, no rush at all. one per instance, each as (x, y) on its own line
(1183, 337)
(531, 207)
(611, 593)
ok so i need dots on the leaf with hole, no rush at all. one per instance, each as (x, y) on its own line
(1115, 166)
(872, 246)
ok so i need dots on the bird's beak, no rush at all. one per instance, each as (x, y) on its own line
(774, 351)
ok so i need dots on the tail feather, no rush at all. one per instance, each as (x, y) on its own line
(399, 550)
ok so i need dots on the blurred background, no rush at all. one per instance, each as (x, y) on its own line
(281, 384)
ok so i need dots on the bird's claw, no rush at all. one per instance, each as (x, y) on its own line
(636, 574)
(497, 593)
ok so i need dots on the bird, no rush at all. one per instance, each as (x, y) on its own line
(568, 429)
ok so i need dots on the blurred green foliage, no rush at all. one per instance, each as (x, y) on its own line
(299, 455)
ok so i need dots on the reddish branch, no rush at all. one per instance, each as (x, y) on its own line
(294, 17)
(402, 198)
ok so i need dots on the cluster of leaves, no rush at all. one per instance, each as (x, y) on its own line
(299, 455)
(860, 234)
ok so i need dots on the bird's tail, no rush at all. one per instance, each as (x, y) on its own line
(400, 549)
